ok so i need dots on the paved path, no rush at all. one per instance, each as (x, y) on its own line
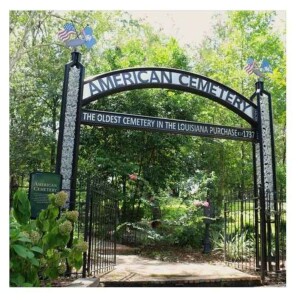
(133, 270)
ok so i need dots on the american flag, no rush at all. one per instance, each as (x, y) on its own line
(64, 34)
(250, 66)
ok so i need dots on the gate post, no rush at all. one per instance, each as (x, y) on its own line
(256, 174)
(69, 126)
(87, 231)
(266, 172)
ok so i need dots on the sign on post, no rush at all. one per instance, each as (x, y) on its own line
(41, 185)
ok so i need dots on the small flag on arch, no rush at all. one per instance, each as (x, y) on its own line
(64, 34)
(265, 66)
(249, 68)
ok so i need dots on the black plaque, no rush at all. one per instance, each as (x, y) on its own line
(103, 118)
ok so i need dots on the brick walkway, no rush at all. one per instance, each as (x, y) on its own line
(133, 270)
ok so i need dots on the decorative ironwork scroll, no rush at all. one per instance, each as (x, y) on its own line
(266, 181)
(257, 164)
(68, 142)
(69, 128)
(264, 150)
(266, 144)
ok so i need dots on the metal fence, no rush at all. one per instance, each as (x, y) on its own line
(97, 207)
(243, 226)
(242, 239)
(276, 231)
(282, 229)
(241, 230)
(100, 227)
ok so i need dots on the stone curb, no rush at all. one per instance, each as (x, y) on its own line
(85, 282)
(185, 283)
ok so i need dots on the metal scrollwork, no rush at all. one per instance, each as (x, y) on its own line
(257, 163)
(266, 143)
(267, 147)
(69, 128)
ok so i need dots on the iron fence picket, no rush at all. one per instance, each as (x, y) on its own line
(103, 227)
(243, 243)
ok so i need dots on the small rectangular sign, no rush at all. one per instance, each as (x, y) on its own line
(41, 185)
(103, 118)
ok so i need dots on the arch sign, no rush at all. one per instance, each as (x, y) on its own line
(129, 79)
(78, 92)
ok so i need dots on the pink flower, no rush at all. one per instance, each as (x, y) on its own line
(205, 204)
(199, 203)
(133, 177)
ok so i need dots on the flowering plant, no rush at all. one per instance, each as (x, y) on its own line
(38, 248)
(133, 177)
(199, 203)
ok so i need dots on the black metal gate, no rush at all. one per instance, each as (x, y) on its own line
(100, 228)
(244, 246)
(241, 238)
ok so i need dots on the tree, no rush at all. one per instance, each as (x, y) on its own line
(242, 35)
(37, 59)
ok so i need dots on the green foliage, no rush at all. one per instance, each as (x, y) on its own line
(140, 233)
(163, 160)
(181, 224)
(222, 57)
(38, 248)
(24, 263)
(21, 207)
(239, 247)
(194, 167)
(184, 233)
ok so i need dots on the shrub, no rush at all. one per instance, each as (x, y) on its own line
(38, 248)
(239, 247)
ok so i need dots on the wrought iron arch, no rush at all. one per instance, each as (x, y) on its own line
(78, 92)
(153, 77)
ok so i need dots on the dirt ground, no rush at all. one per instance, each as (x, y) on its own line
(180, 254)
